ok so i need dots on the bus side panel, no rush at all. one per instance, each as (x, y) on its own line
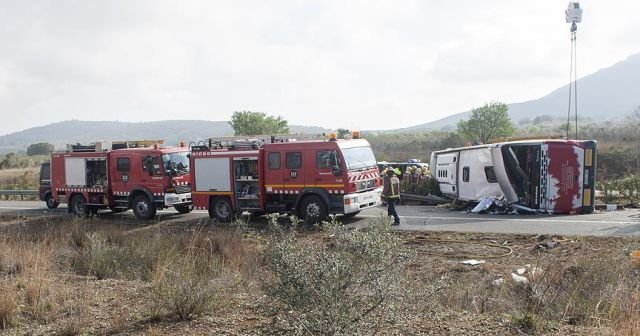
(565, 171)
(445, 173)
(472, 179)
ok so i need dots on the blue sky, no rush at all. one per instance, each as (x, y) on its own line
(348, 64)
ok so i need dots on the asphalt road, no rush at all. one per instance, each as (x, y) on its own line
(428, 218)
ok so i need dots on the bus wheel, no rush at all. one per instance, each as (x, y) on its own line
(51, 202)
(78, 206)
(183, 208)
(220, 208)
(312, 209)
(143, 208)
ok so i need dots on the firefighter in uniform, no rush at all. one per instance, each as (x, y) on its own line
(391, 193)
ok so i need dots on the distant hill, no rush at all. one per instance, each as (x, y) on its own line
(77, 131)
(609, 94)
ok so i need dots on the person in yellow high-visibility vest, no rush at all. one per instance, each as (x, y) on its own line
(391, 193)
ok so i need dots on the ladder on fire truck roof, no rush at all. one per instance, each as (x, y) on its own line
(252, 141)
(101, 146)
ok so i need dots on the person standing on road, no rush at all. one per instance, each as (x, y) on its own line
(391, 193)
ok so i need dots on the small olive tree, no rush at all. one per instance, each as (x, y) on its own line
(487, 122)
(345, 284)
(256, 123)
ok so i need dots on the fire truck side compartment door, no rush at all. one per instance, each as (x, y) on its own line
(212, 174)
(75, 171)
(121, 165)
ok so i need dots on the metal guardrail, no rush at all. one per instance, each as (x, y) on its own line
(21, 193)
(429, 199)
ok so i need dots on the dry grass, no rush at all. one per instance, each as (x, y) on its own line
(20, 178)
(76, 312)
(212, 274)
(8, 305)
(36, 280)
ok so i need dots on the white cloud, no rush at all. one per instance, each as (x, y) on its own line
(329, 63)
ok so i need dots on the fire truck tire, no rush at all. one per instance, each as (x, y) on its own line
(312, 209)
(221, 209)
(51, 202)
(143, 208)
(78, 206)
(183, 208)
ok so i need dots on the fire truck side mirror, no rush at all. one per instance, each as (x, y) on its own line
(337, 171)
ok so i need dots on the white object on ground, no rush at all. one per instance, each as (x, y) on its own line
(519, 279)
(472, 262)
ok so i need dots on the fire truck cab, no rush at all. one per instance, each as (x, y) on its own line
(310, 179)
(136, 175)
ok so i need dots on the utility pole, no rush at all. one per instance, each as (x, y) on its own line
(573, 15)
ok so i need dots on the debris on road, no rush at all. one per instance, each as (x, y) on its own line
(472, 262)
(519, 279)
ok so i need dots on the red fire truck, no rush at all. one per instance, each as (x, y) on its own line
(138, 175)
(311, 178)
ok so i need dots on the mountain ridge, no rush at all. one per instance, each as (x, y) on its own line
(619, 85)
(81, 131)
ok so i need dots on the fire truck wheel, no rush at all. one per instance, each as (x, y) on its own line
(143, 208)
(51, 202)
(183, 208)
(220, 208)
(312, 209)
(78, 206)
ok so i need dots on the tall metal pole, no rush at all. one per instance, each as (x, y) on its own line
(570, 85)
(573, 15)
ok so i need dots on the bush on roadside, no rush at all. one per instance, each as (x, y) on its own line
(113, 255)
(348, 283)
(188, 282)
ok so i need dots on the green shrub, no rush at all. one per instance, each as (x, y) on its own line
(110, 255)
(341, 285)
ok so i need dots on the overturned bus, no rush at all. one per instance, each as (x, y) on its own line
(554, 176)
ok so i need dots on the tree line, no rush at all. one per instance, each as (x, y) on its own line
(618, 156)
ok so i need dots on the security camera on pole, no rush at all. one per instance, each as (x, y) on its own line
(573, 15)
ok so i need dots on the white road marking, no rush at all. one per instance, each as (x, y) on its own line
(537, 220)
(19, 208)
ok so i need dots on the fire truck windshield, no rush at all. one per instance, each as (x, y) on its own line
(176, 163)
(359, 157)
